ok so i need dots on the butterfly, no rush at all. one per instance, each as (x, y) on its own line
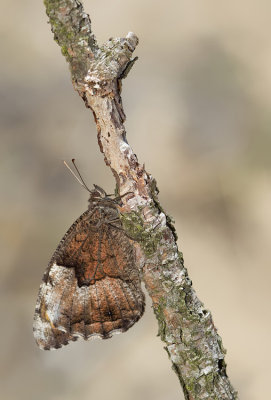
(91, 287)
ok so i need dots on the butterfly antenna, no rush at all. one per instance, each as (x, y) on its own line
(82, 183)
(75, 166)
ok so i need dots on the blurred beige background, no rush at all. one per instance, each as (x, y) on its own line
(198, 114)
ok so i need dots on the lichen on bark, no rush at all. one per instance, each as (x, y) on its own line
(191, 340)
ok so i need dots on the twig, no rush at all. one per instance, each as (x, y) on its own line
(192, 343)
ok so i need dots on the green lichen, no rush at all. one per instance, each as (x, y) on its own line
(221, 347)
(134, 225)
(50, 5)
(195, 354)
(65, 53)
(159, 313)
(206, 383)
(181, 259)
(209, 381)
(190, 385)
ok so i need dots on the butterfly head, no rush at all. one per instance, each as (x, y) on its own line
(98, 195)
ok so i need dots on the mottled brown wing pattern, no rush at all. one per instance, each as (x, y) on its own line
(92, 286)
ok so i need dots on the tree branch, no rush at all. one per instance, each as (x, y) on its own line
(192, 343)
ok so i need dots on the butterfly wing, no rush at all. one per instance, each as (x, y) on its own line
(91, 287)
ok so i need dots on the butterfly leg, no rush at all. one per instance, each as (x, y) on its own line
(122, 230)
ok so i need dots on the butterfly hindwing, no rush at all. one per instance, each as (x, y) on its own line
(92, 286)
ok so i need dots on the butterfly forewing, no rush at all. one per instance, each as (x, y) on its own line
(91, 287)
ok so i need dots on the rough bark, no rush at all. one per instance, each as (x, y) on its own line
(191, 340)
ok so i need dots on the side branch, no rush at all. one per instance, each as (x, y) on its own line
(192, 343)
(72, 31)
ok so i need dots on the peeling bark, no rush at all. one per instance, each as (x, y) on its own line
(192, 343)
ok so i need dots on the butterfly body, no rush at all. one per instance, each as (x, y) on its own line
(91, 287)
